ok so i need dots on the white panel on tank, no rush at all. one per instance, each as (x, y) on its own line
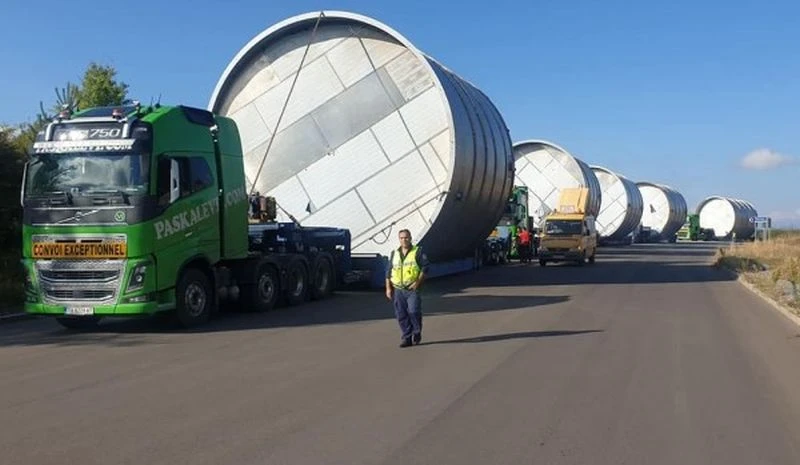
(350, 61)
(381, 51)
(383, 195)
(323, 179)
(316, 84)
(393, 136)
(286, 55)
(433, 162)
(252, 129)
(261, 82)
(348, 205)
(656, 208)
(425, 116)
(443, 146)
(409, 74)
(383, 236)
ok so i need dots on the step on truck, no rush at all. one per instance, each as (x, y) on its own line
(134, 211)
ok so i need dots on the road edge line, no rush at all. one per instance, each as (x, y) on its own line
(15, 317)
(783, 309)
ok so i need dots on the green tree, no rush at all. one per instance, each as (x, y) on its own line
(11, 164)
(100, 88)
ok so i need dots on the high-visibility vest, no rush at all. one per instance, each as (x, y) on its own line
(404, 270)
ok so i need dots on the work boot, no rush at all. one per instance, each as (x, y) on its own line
(417, 338)
(406, 343)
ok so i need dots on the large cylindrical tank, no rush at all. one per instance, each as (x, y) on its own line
(726, 216)
(545, 169)
(664, 209)
(376, 136)
(620, 207)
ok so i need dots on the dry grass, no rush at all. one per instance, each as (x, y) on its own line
(769, 265)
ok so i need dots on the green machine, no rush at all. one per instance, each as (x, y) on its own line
(691, 230)
(515, 217)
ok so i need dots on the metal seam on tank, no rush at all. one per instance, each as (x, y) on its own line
(470, 151)
(505, 158)
(633, 213)
(478, 181)
(479, 174)
(594, 186)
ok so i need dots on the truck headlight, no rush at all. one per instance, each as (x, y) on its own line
(137, 277)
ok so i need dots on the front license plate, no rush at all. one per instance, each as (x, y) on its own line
(79, 311)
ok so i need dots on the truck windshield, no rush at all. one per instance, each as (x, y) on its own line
(84, 173)
(563, 227)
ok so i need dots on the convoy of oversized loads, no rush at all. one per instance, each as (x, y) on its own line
(325, 135)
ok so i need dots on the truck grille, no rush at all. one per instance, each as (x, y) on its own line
(79, 275)
(80, 281)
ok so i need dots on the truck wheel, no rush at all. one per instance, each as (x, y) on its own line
(263, 295)
(591, 259)
(297, 284)
(81, 323)
(542, 262)
(194, 298)
(323, 274)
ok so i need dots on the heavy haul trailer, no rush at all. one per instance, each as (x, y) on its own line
(133, 211)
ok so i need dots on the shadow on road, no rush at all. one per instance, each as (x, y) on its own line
(513, 286)
(509, 336)
(342, 308)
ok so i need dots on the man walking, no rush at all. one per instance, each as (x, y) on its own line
(404, 275)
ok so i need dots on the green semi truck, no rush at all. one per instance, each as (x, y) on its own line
(135, 210)
(691, 230)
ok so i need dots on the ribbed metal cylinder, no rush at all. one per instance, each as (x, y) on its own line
(727, 216)
(664, 210)
(545, 169)
(376, 136)
(621, 206)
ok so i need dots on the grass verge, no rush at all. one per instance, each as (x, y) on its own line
(771, 266)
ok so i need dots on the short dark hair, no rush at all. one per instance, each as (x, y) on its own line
(404, 231)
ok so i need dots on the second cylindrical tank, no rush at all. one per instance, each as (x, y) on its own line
(664, 209)
(727, 216)
(545, 168)
(620, 207)
(375, 135)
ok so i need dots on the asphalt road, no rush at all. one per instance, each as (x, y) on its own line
(649, 356)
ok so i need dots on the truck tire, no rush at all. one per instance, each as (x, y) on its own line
(591, 259)
(262, 295)
(323, 276)
(296, 291)
(194, 298)
(81, 323)
(542, 262)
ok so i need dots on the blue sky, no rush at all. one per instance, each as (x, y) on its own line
(676, 92)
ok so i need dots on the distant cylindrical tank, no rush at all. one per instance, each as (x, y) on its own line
(727, 216)
(545, 169)
(376, 136)
(664, 210)
(621, 205)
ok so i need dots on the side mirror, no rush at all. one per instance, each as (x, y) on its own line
(174, 181)
(22, 186)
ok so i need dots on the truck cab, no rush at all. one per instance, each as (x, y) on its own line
(569, 233)
(132, 211)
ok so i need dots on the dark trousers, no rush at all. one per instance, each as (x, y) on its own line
(408, 310)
